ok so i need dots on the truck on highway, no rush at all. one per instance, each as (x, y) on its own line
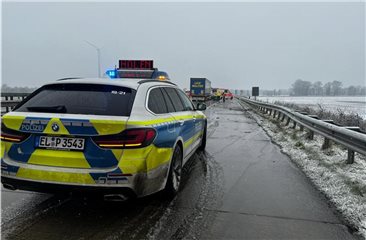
(200, 89)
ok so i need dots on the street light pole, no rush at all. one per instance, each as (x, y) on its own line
(98, 54)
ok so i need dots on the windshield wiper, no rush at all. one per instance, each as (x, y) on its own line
(53, 109)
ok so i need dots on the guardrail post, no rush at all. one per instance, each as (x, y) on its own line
(351, 156)
(288, 121)
(326, 144)
(283, 117)
(279, 115)
(274, 113)
(301, 127)
(270, 112)
(310, 135)
(294, 126)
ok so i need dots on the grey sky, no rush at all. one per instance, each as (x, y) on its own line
(235, 45)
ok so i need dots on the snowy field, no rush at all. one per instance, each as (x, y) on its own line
(343, 103)
(343, 184)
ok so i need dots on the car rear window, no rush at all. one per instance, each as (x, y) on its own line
(94, 99)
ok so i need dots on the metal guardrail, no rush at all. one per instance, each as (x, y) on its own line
(10, 100)
(353, 140)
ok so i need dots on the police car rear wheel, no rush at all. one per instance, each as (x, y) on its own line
(175, 173)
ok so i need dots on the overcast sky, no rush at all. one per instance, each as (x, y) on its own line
(235, 45)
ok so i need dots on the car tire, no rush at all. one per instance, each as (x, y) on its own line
(202, 147)
(175, 173)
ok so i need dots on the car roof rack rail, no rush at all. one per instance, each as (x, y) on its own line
(68, 78)
(147, 81)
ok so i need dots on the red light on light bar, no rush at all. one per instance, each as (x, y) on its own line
(136, 64)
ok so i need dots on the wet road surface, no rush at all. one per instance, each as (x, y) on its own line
(242, 187)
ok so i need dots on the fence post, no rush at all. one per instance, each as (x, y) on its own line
(310, 135)
(288, 121)
(283, 117)
(351, 156)
(279, 115)
(326, 144)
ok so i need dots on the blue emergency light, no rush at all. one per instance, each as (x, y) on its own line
(111, 73)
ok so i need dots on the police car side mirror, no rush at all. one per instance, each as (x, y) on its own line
(201, 106)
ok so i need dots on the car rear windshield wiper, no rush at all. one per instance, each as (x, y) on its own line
(53, 109)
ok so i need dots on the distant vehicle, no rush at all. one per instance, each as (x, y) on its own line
(200, 89)
(120, 137)
(228, 94)
(216, 94)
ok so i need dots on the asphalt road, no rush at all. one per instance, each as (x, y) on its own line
(242, 187)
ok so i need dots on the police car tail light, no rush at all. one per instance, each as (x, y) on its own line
(10, 135)
(131, 138)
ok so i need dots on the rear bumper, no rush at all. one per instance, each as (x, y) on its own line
(19, 184)
(139, 184)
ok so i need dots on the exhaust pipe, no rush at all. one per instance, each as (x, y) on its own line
(9, 186)
(115, 197)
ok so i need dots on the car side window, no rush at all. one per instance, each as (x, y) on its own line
(186, 102)
(156, 102)
(168, 101)
(177, 102)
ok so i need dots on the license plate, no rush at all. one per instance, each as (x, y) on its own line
(63, 143)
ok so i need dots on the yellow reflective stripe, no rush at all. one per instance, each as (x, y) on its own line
(192, 139)
(158, 157)
(13, 122)
(161, 120)
(117, 153)
(66, 177)
(48, 157)
(62, 130)
(142, 160)
(200, 116)
(5, 146)
(104, 127)
(151, 122)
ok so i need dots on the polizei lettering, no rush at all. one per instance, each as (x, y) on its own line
(32, 127)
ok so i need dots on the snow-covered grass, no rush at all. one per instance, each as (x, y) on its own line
(339, 117)
(343, 184)
(345, 104)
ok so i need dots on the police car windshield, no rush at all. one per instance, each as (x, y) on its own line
(94, 99)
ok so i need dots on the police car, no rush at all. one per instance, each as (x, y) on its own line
(122, 136)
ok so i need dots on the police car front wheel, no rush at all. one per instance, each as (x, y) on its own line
(175, 173)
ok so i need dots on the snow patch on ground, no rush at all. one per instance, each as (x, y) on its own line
(343, 184)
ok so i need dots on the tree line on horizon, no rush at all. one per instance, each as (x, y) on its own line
(307, 88)
(7, 89)
(334, 88)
